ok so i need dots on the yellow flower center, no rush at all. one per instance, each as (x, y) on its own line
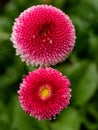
(45, 92)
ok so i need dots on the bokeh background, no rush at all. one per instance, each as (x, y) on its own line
(80, 67)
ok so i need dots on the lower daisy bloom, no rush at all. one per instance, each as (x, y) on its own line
(44, 93)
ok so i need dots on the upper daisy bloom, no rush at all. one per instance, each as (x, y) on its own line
(43, 35)
(44, 93)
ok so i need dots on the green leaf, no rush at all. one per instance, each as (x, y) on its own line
(93, 46)
(86, 86)
(74, 70)
(4, 117)
(93, 4)
(92, 109)
(68, 120)
(5, 24)
(31, 68)
(83, 77)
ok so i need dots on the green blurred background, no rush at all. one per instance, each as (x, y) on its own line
(80, 67)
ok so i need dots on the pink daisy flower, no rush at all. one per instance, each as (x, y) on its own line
(44, 93)
(43, 35)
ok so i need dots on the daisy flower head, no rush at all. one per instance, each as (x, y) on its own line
(44, 93)
(43, 35)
